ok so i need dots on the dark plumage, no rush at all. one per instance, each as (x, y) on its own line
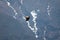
(27, 18)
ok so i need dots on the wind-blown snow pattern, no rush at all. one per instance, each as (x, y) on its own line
(34, 29)
(45, 33)
(34, 15)
(14, 16)
(22, 2)
(42, 25)
(48, 10)
(45, 28)
(8, 3)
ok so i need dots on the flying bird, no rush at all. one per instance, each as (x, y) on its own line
(27, 18)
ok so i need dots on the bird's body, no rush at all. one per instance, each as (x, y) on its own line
(27, 18)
